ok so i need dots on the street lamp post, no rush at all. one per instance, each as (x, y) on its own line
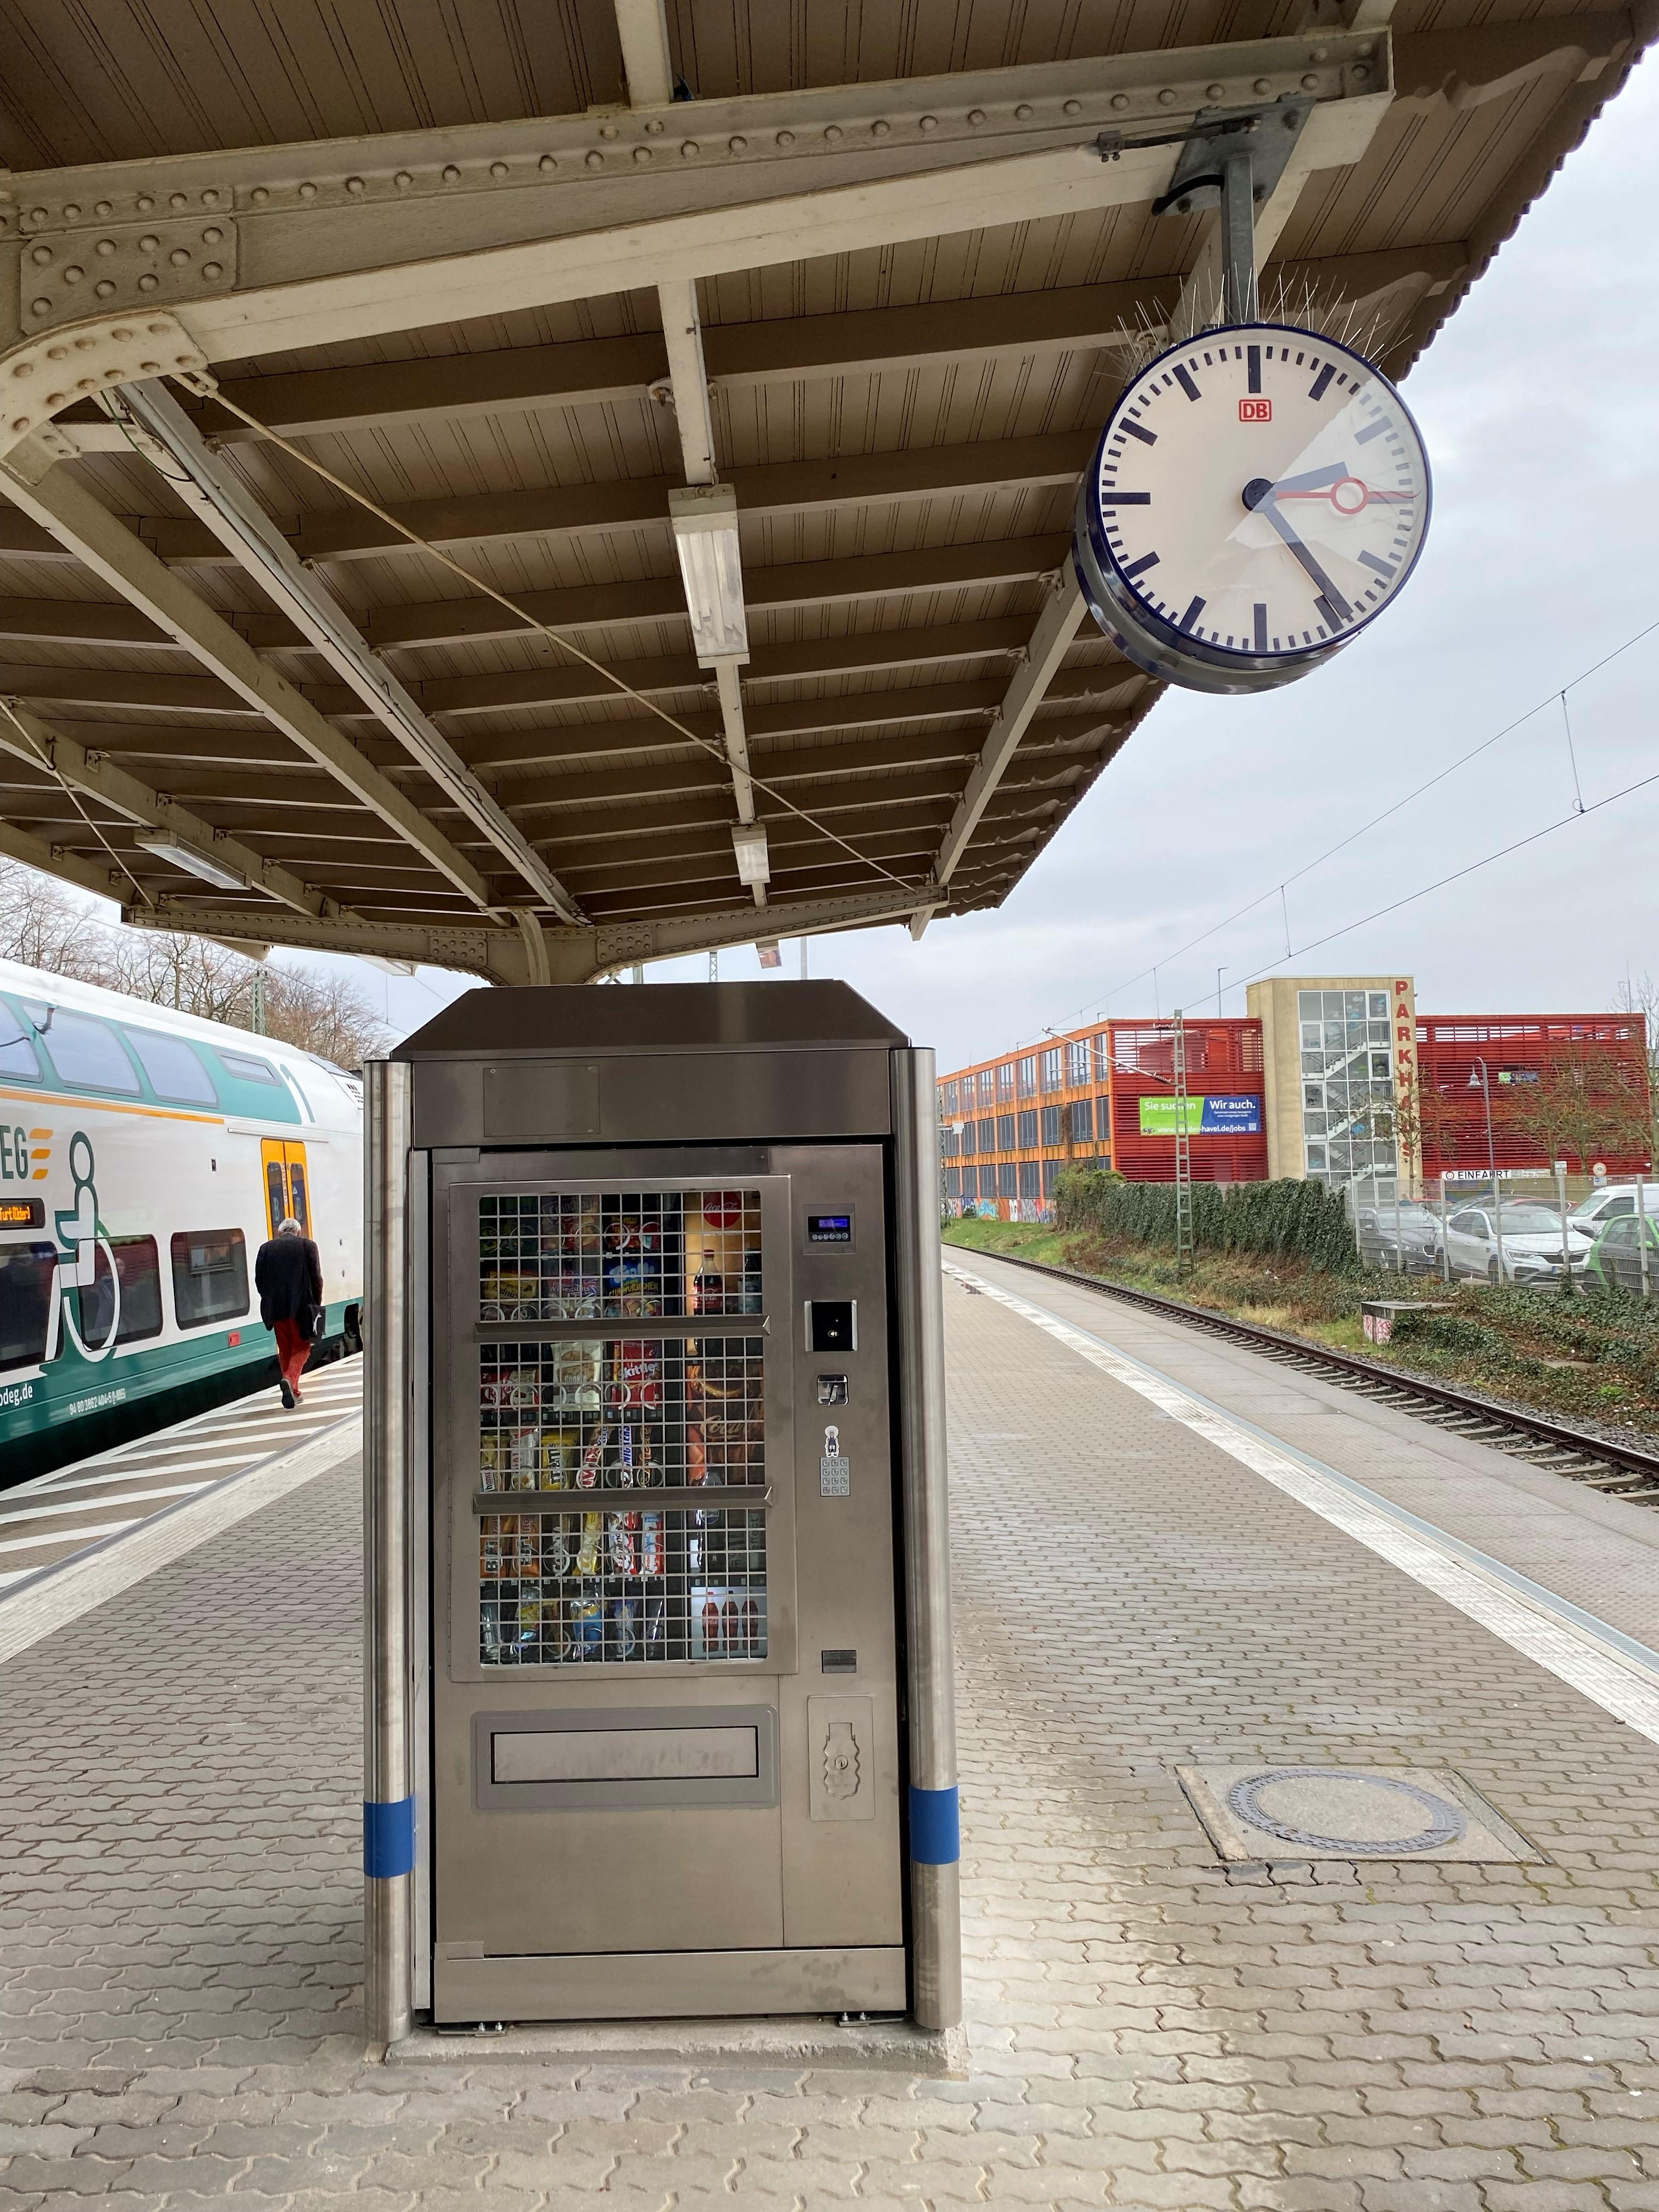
(1484, 1087)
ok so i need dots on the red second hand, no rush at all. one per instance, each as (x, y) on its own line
(1329, 492)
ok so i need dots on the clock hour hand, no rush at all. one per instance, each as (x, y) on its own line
(1315, 480)
(1263, 503)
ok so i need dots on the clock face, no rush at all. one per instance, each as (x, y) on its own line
(1258, 496)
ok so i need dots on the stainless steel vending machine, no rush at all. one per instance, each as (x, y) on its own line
(660, 1714)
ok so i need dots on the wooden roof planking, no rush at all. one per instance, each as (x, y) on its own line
(872, 274)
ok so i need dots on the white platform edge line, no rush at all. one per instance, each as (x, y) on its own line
(1521, 1613)
(80, 1585)
(236, 1414)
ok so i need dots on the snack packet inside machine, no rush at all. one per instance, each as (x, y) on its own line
(658, 1709)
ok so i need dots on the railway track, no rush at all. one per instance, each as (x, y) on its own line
(1616, 1470)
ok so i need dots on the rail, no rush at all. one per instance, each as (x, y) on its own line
(1553, 1445)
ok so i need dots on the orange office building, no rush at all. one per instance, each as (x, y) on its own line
(1335, 1077)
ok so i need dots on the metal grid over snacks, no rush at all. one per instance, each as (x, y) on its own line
(647, 1417)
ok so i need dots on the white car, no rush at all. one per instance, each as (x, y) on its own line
(1592, 1214)
(1532, 1243)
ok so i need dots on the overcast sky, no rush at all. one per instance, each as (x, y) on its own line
(1540, 406)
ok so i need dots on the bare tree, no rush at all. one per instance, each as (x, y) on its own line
(1639, 994)
(192, 975)
(1585, 1103)
(325, 1013)
(44, 926)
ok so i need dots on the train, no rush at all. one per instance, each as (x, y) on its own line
(145, 1154)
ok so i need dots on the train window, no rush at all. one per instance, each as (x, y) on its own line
(26, 1271)
(246, 1070)
(209, 1276)
(299, 1196)
(17, 1055)
(173, 1070)
(85, 1051)
(138, 1271)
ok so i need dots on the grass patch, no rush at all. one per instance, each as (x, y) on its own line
(1592, 1358)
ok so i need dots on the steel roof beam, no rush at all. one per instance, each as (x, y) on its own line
(642, 28)
(43, 746)
(311, 245)
(207, 768)
(629, 503)
(794, 584)
(575, 956)
(861, 651)
(51, 496)
(53, 860)
(789, 584)
(869, 342)
(236, 518)
(778, 488)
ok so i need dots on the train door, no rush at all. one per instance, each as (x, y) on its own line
(288, 1183)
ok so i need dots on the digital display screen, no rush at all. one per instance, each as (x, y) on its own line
(829, 1228)
(22, 1213)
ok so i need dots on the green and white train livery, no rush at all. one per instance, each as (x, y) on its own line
(144, 1157)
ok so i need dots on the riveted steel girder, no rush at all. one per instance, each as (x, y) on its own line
(276, 248)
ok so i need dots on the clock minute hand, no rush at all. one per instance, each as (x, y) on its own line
(1264, 504)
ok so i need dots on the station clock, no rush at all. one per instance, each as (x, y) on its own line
(1259, 495)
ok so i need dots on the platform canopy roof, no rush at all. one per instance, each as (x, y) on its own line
(320, 323)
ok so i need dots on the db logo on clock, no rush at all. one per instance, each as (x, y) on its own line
(1255, 410)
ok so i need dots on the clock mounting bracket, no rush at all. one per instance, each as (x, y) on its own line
(1233, 159)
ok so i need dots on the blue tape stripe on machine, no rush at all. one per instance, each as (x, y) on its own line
(389, 1838)
(935, 1828)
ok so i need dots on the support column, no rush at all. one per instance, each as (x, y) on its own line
(932, 1825)
(388, 1751)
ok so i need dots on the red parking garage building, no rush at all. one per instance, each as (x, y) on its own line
(1337, 1077)
(1563, 1086)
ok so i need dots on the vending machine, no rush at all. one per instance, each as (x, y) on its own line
(659, 1719)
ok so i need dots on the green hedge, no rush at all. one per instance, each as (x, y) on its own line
(1306, 1218)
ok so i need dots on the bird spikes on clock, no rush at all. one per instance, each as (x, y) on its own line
(1364, 330)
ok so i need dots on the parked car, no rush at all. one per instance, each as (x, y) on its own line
(1532, 1243)
(1415, 1247)
(1615, 1258)
(1607, 1205)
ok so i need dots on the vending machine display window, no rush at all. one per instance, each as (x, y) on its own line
(617, 1255)
(627, 1584)
(596, 1410)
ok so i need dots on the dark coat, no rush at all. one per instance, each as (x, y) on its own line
(288, 1276)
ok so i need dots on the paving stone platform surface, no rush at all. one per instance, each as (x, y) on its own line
(179, 1920)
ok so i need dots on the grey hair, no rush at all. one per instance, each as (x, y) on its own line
(289, 1227)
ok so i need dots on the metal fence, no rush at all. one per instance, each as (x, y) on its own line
(1521, 1228)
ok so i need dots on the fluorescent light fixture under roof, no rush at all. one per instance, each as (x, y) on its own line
(705, 519)
(749, 843)
(193, 859)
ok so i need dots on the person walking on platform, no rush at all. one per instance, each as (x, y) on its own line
(288, 1276)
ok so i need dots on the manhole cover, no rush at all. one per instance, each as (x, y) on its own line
(1388, 1814)
(1274, 1812)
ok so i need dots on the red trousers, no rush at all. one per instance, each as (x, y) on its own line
(293, 1350)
